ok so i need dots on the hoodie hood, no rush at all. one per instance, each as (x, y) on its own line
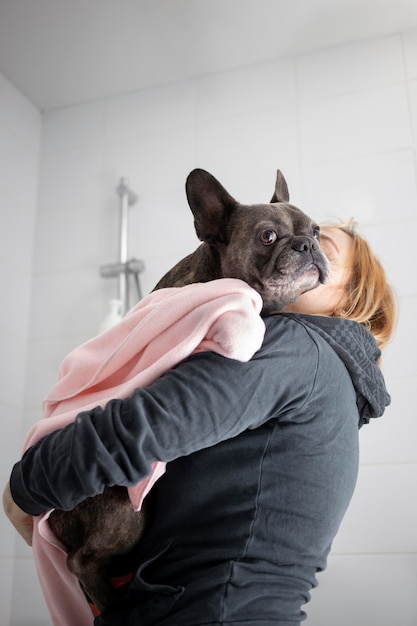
(359, 351)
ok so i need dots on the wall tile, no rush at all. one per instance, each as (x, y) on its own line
(390, 242)
(73, 127)
(16, 231)
(67, 240)
(19, 115)
(399, 360)
(412, 90)
(18, 167)
(15, 288)
(247, 90)
(70, 179)
(357, 66)
(10, 432)
(391, 438)
(241, 147)
(259, 186)
(6, 587)
(381, 519)
(8, 537)
(13, 372)
(356, 124)
(410, 49)
(20, 125)
(33, 610)
(374, 189)
(64, 303)
(148, 162)
(161, 226)
(365, 591)
(151, 110)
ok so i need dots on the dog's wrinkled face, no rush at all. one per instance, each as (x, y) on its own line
(273, 247)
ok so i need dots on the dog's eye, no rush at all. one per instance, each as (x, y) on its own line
(316, 233)
(268, 237)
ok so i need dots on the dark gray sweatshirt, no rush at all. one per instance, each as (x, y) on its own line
(262, 462)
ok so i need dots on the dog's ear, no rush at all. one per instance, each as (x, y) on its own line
(281, 193)
(210, 204)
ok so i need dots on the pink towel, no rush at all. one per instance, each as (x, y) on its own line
(160, 331)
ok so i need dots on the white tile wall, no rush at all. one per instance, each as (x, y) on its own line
(399, 360)
(70, 179)
(19, 167)
(374, 189)
(154, 110)
(16, 234)
(355, 124)
(257, 88)
(146, 160)
(11, 427)
(382, 516)
(64, 303)
(364, 590)
(412, 90)
(410, 49)
(392, 438)
(382, 236)
(6, 589)
(16, 284)
(31, 611)
(73, 127)
(13, 370)
(20, 129)
(19, 116)
(234, 148)
(7, 542)
(59, 233)
(342, 125)
(351, 68)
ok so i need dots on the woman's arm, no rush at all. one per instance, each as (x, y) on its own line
(203, 401)
(20, 520)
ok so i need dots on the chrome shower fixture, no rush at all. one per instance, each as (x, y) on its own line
(125, 267)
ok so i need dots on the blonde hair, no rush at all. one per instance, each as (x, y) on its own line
(368, 298)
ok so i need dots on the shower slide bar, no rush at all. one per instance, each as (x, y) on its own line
(124, 267)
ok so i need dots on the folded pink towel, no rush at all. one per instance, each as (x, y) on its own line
(160, 331)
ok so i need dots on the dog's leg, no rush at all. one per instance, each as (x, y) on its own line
(94, 534)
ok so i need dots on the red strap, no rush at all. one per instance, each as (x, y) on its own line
(117, 582)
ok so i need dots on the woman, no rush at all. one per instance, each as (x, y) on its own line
(262, 457)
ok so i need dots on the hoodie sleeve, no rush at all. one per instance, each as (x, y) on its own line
(205, 400)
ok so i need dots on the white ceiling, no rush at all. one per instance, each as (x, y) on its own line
(62, 52)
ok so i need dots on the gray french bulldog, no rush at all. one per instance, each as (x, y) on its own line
(274, 248)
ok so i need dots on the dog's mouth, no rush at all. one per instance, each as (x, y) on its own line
(314, 267)
(317, 268)
(286, 276)
(300, 271)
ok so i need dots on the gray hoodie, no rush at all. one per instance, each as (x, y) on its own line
(262, 463)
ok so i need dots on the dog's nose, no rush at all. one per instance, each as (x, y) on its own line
(303, 244)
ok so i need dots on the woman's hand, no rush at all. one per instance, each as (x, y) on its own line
(20, 520)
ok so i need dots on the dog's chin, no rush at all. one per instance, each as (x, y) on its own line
(277, 296)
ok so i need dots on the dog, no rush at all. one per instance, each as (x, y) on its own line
(275, 249)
